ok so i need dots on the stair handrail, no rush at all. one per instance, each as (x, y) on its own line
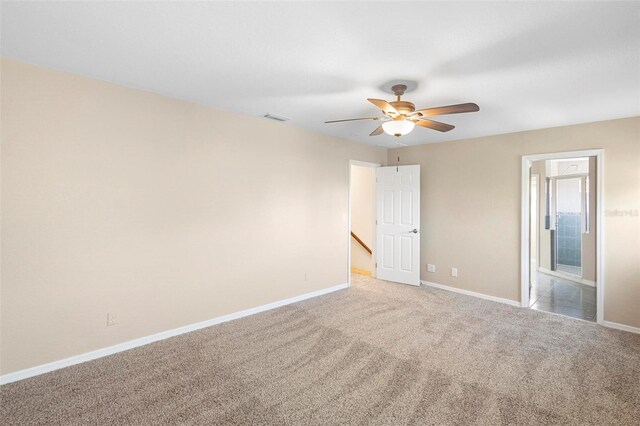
(366, 247)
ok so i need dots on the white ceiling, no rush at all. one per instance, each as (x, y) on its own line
(528, 65)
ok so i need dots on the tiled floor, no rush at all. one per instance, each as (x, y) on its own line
(560, 296)
(575, 270)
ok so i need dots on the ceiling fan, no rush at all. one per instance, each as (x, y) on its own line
(401, 117)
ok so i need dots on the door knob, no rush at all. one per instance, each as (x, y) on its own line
(415, 231)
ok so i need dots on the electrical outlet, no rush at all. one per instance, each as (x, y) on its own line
(454, 272)
(111, 319)
(431, 268)
(306, 276)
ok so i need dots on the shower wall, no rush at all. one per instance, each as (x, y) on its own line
(569, 225)
(569, 239)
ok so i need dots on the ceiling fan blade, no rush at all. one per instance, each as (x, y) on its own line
(449, 109)
(377, 131)
(384, 106)
(435, 125)
(355, 119)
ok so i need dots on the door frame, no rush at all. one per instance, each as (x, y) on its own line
(537, 236)
(600, 225)
(348, 233)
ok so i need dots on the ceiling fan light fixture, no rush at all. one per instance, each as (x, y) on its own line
(398, 127)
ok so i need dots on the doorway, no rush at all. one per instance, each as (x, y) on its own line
(562, 238)
(384, 215)
(362, 217)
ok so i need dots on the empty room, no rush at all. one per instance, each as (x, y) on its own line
(320, 213)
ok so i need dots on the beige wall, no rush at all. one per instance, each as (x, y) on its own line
(162, 212)
(471, 208)
(363, 220)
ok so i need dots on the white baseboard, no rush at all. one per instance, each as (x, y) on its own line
(472, 293)
(88, 356)
(609, 324)
(622, 327)
(569, 277)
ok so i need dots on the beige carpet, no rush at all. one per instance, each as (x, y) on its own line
(377, 353)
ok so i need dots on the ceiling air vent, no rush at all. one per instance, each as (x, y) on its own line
(277, 117)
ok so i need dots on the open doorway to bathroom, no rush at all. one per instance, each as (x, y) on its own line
(562, 236)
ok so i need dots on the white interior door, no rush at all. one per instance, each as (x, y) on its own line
(398, 224)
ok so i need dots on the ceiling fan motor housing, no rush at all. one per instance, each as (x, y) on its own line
(404, 107)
